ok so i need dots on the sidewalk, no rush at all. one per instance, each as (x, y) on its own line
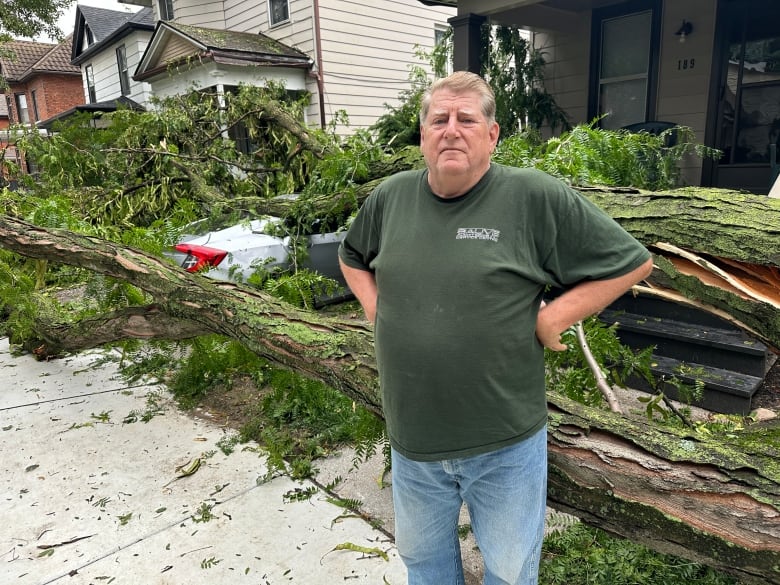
(88, 498)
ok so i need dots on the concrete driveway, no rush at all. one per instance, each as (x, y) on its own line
(92, 494)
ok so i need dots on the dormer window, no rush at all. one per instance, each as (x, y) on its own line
(88, 39)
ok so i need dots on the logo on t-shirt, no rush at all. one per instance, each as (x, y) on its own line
(477, 234)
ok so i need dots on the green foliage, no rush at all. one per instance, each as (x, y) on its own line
(344, 166)
(301, 420)
(583, 555)
(512, 67)
(515, 71)
(300, 288)
(212, 360)
(400, 126)
(567, 372)
(30, 18)
(139, 166)
(587, 155)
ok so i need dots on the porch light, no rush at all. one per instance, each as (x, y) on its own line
(685, 29)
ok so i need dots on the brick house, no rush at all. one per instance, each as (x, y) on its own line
(41, 80)
(40, 83)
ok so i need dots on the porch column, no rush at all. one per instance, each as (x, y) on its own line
(466, 48)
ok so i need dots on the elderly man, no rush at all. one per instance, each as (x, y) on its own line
(450, 264)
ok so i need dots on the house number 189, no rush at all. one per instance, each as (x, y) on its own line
(686, 64)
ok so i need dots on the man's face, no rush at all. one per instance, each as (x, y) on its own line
(456, 139)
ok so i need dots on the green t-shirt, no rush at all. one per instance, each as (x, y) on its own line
(460, 283)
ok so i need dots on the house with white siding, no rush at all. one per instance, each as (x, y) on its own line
(107, 46)
(710, 65)
(357, 54)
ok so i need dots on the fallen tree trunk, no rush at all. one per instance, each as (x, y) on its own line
(734, 268)
(700, 498)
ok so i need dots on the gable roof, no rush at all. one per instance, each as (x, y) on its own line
(29, 58)
(101, 27)
(173, 44)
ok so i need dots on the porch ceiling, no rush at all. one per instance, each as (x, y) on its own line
(531, 14)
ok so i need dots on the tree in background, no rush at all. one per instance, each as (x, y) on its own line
(512, 67)
(515, 71)
(30, 18)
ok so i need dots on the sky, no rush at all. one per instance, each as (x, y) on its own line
(68, 18)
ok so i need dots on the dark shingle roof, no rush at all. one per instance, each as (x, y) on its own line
(103, 21)
(221, 46)
(106, 26)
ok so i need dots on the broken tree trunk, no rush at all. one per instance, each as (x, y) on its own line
(716, 250)
(702, 498)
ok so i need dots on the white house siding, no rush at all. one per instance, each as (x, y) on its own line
(205, 13)
(366, 48)
(567, 58)
(297, 32)
(367, 52)
(106, 71)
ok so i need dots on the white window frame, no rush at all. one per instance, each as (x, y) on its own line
(642, 76)
(271, 20)
(439, 31)
(22, 109)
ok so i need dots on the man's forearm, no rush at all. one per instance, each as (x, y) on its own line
(363, 285)
(582, 301)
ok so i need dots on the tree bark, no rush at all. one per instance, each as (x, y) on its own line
(701, 498)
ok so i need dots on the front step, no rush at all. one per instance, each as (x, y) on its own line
(690, 345)
(725, 391)
(721, 347)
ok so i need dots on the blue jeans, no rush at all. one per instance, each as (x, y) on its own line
(506, 495)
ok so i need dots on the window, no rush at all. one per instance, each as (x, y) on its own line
(21, 108)
(624, 69)
(442, 40)
(279, 11)
(92, 96)
(124, 76)
(9, 108)
(36, 115)
(165, 8)
(751, 117)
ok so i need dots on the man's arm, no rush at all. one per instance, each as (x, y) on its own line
(363, 284)
(582, 301)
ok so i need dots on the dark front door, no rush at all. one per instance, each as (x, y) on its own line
(748, 116)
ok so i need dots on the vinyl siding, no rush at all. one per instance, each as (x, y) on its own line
(683, 93)
(567, 67)
(205, 13)
(366, 48)
(106, 72)
(367, 52)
